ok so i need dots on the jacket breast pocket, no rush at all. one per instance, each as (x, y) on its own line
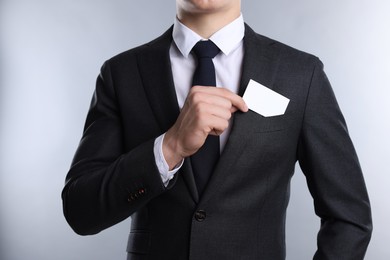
(139, 242)
(260, 124)
(263, 141)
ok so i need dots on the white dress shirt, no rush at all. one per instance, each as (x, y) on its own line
(228, 65)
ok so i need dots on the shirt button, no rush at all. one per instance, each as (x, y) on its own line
(200, 215)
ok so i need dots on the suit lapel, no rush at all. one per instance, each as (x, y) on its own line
(260, 63)
(261, 60)
(156, 72)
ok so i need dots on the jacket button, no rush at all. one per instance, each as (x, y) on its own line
(200, 215)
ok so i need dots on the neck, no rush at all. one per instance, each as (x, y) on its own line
(206, 24)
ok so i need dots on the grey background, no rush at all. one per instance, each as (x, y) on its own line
(51, 52)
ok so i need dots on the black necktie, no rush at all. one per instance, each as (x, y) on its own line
(205, 159)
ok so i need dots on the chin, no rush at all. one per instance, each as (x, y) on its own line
(206, 6)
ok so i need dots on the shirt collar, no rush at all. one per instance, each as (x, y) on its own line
(226, 38)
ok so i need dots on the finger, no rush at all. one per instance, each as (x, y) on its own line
(208, 118)
(217, 111)
(216, 125)
(234, 99)
(233, 109)
(212, 99)
(237, 102)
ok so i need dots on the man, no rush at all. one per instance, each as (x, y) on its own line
(148, 125)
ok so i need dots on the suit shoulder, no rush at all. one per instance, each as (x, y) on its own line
(160, 43)
(294, 55)
(287, 53)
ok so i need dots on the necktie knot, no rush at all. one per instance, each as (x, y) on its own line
(205, 49)
(204, 74)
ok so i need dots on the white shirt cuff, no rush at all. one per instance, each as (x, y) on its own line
(162, 165)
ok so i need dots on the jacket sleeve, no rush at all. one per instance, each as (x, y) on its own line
(106, 184)
(335, 180)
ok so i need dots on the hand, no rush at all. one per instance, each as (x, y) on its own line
(207, 110)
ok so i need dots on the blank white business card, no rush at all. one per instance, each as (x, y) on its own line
(264, 101)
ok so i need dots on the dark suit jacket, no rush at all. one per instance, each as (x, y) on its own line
(241, 214)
